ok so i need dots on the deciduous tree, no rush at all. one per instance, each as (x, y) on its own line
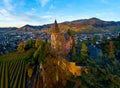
(38, 42)
(56, 72)
(21, 47)
(84, 51)
(111, 50)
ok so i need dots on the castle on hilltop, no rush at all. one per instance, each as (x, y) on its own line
(60, 41)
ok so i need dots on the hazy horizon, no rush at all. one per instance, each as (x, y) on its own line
(14, 13)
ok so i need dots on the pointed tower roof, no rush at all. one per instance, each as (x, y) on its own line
(56, 29)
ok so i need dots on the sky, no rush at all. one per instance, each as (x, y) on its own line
(17, 13)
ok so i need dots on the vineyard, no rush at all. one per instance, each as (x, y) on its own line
(13, 69)
(12, 74)
(17, 56)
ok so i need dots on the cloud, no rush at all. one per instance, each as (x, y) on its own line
(46, 17)
(4, 12)
(44, 2)
(18, 20)
(12, 19)
(7, 4)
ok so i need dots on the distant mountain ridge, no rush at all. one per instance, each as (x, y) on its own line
(83, 25)
(30, 28)
(8, 28)
(92, 21)
(93, 25)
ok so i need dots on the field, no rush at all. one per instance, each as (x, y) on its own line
(13, 69)
(12, 74)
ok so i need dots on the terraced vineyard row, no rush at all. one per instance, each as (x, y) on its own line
(16, 56)
(12, 74)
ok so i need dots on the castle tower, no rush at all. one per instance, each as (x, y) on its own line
(55, 29)
(55, 35)
(60, 42)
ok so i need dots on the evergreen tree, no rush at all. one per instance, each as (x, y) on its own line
(74, 57)
(30, 43)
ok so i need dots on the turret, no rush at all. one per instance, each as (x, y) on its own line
(56, 29)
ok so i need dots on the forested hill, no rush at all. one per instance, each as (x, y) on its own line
(82, 25)
(92, 25)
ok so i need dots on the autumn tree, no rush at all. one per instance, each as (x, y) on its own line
(36, 53)
(84, 51)
(21, 47)
(38, 42)
(29, 44)
(71, 33)
(42, 51)
(111, 50)
(56, 72)
(47, 49)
